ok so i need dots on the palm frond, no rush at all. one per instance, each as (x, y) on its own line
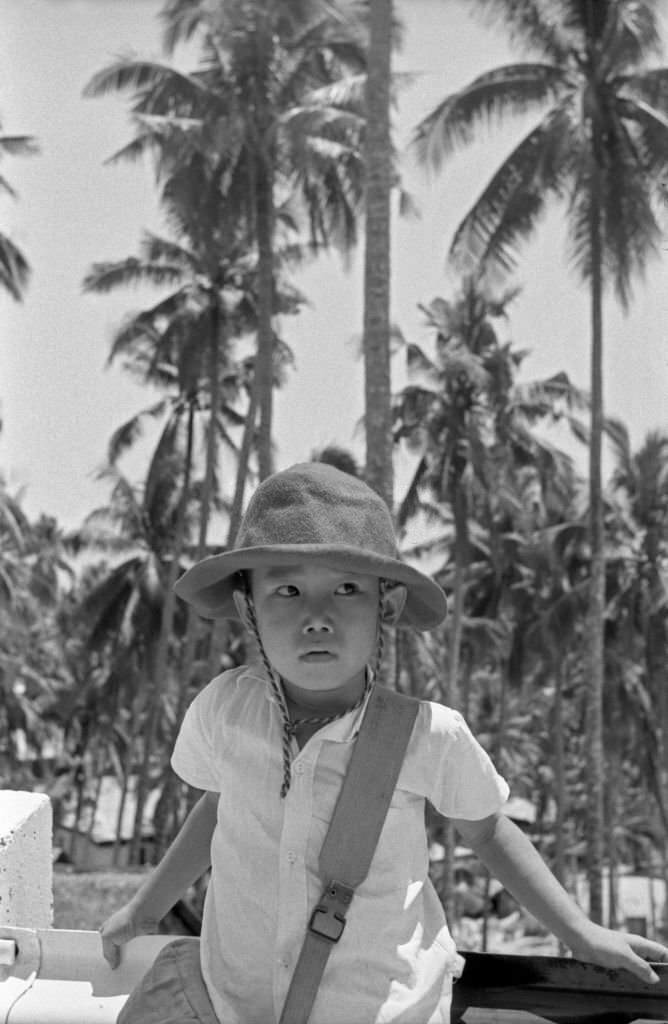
(105, 277)
(508, 91)
(629, 35)
(650, 87)
(11, 522)
(14, 268)
(408, 506)
(326, 124)
(345, 94)
(182, 19)
(144, 76)
(125, 436)
(418, 362)
(532, 23)
(540, 398)
(7, 188)
(632, 231)
(646, 140)
(507, 210)
(163, 484)
(142, 145)
(156, 248)
(137, 333)
(18, 145)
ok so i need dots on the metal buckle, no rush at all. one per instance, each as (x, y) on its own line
(329, 917)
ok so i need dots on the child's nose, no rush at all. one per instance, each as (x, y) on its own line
(317, 622)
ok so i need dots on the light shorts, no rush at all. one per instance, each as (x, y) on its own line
(172, 991)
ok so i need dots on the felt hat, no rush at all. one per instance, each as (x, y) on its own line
(316, 512)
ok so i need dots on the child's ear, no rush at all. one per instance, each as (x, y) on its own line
(394, 601)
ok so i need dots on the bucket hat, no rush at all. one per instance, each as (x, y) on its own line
(316, 512)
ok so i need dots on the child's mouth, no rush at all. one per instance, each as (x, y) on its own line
(317, 656)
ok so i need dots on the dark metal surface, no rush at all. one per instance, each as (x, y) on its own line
(557, 989)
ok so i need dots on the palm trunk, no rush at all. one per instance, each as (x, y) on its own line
(559, 769)
(160, 664)
(466, 674)
(611, 822)
(118, 839)
(657, 682)
(170, 598)
(242, 467)
(595, 766)
(559, 775)
(167, 623)
(451, 687)
(220, 628)
(192, 620)
(378, 160)
(262, 192)
(460, 511)
(496, 757)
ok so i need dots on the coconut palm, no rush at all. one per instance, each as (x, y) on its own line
(269, 105)
(32, 669)
(641, 478)
(182, 344)
(470, 422)
(600, 144)
(14, 268)
(125, 610)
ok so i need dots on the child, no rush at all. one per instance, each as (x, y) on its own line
(314, 576)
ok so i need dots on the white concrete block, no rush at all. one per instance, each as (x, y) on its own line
(26, 876)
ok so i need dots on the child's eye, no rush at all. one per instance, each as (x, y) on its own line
(348, 588)
(287, 590)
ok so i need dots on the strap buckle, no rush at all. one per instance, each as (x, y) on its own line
(329, 917)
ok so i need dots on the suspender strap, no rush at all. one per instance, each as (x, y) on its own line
(352, 837)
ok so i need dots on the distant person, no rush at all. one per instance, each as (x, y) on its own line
(315, 575)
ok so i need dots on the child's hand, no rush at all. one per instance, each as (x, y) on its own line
(620, 949)
(122, 926)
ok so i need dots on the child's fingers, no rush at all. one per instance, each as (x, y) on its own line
(111, 951)
(643, 970)
(647, 949)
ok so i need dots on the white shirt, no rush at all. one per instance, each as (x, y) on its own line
(396, 959)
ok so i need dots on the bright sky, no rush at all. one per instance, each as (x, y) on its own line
(60, 404)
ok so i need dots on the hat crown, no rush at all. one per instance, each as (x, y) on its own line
(314, 503)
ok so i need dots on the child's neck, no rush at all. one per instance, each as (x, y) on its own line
(303, 703)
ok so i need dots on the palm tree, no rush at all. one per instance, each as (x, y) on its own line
(469, 424)
(601, 144)
(124, 610)
(271, 106)
(642, 478)
(33, 673)
(14, 269)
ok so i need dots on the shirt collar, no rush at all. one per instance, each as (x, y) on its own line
(346, 729)
(341, 730)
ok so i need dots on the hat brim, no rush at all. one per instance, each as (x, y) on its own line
(208, 586)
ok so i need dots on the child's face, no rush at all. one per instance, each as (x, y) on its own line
(318, 625)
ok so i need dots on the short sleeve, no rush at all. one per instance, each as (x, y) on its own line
(460, 779)
(193, 758)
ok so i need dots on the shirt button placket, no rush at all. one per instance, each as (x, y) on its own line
(292, 883)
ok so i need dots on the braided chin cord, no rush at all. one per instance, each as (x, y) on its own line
(289, 727)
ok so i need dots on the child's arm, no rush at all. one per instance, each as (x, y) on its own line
(513, 859)
(185, 861)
